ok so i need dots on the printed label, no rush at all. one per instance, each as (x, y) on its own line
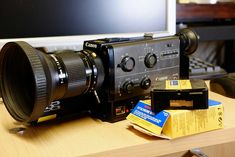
(144, 117)
(178, 84)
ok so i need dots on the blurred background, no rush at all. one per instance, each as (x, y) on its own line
(214, 20)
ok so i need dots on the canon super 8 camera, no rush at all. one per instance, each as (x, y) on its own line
(106, 79)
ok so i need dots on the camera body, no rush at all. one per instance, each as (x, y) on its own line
(131, 67)
(106, 79)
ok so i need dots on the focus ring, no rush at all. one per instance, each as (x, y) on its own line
(39, 100)
(41, 93)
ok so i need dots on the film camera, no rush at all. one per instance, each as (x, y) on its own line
(106, 78)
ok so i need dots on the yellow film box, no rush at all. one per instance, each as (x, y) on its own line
(172, 124)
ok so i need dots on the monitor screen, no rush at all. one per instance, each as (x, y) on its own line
(52, 22)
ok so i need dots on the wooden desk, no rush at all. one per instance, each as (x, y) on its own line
(211, 21)
(205, 12)
(91, 137)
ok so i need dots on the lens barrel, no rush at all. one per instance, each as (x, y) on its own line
(31, 79)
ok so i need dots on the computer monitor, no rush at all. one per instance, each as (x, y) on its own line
(51, 22)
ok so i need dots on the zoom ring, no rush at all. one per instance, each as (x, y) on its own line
(76, 71)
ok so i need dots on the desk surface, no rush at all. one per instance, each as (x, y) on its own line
(87, 136)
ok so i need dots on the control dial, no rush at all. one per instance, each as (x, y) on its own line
(150, 60)
(128, 87)
(127, 64)
(145, 83)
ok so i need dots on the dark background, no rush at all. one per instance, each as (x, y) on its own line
(28, 18)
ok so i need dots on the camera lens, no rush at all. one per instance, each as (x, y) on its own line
(31, 79)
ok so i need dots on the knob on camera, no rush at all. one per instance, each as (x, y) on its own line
(127, 64)
(150, 60)
(128, 87)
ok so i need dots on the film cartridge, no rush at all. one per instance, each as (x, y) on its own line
(179, 94)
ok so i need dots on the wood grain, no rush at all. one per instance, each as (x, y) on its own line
(91, 137)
